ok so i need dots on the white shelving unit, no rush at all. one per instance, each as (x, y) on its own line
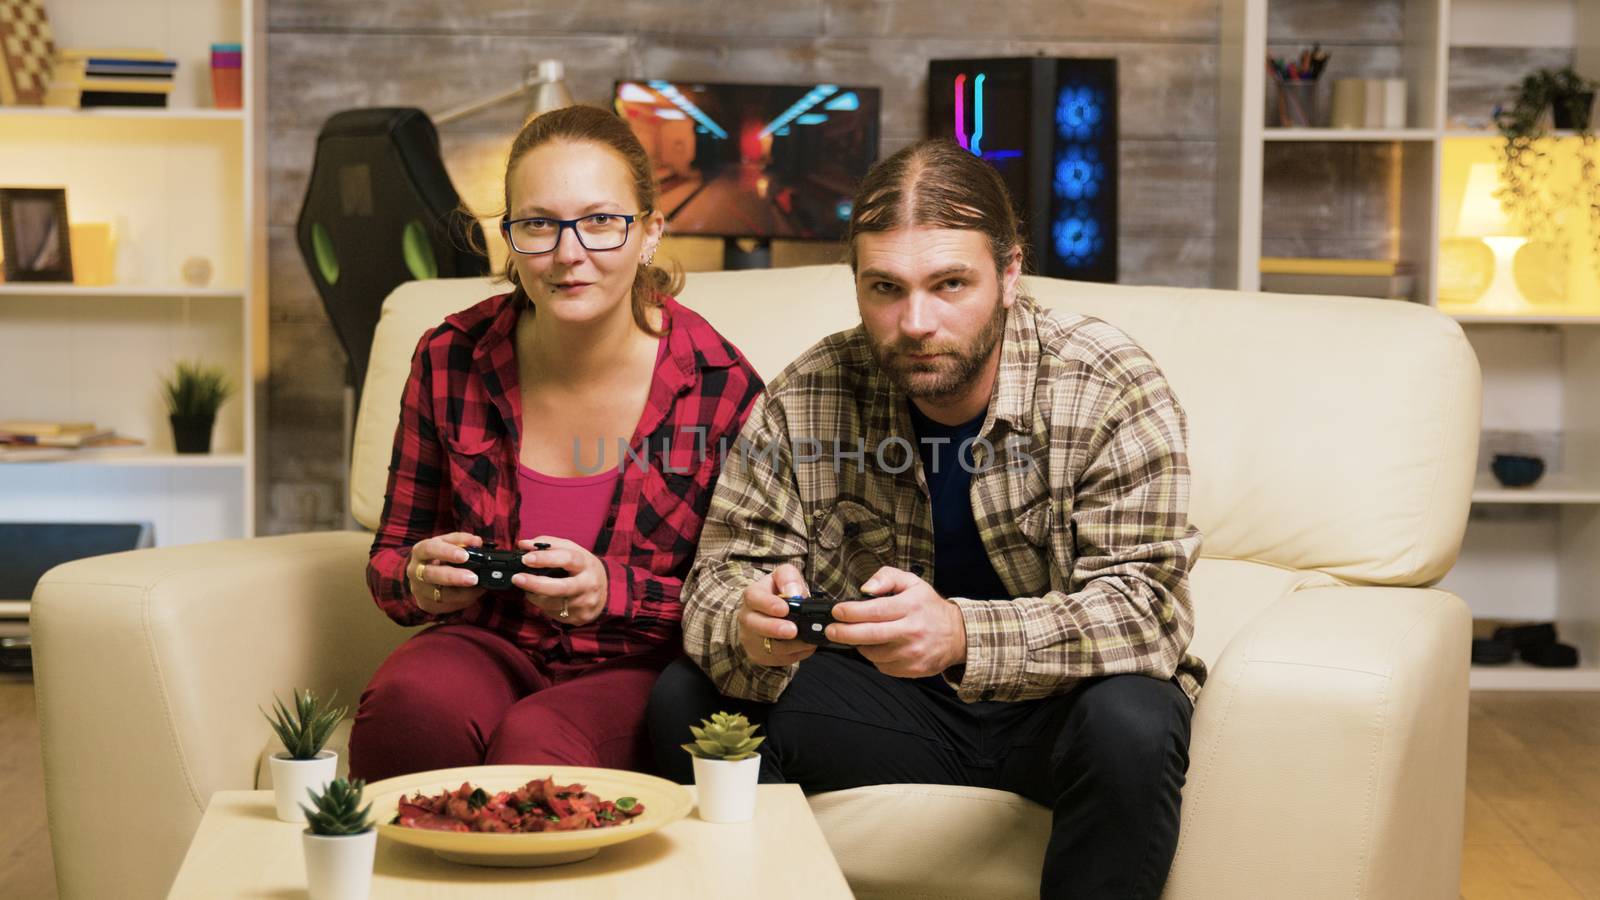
(1530, 553)
(175, 183)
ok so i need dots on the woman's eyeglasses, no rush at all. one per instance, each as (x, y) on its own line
(540, 234)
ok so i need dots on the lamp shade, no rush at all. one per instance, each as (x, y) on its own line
(1481, 214)
(548, 89)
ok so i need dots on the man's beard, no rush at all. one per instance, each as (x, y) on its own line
(954, 369)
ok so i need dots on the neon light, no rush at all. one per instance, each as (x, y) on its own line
(961, 110)
(977, 114)
(816, 95)
(669, 91)
(844, 102)
(634, 94)
(811, 119)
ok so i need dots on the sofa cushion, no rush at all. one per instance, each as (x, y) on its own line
(890, 840)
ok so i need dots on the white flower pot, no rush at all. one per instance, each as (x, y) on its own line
(727, 789)
(292, 778)
(339, 866)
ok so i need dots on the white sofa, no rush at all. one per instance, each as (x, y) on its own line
(1333, 444)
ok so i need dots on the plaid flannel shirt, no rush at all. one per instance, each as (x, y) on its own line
(454, 468)
(1081, 501)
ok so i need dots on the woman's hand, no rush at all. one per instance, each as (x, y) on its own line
(577, 599)
(437, 588)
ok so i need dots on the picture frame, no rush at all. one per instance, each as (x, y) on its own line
(37, 239)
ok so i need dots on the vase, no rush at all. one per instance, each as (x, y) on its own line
(339, 866)
(192, 434)
(293, 779)
(727, 790)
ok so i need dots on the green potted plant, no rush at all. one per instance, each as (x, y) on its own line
(726, 766)
(304, 764)
(1530, 195)
(194, 392)
(340, 842)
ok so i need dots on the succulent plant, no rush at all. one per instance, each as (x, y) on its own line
(306, 729)
(338, 808)
(724, 736)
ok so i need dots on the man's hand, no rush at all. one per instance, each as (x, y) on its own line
(907, 630)
(768, 638)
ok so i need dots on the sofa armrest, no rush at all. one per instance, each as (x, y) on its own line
(1328, 756)
(150, 667)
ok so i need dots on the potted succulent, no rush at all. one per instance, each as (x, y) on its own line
(303, 765)
(340, 842)
(725, 767)
(1530, 196)
(194, 392)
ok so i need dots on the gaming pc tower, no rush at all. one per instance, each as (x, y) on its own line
(1049, 126)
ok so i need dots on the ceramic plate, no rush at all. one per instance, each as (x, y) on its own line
(664, 803)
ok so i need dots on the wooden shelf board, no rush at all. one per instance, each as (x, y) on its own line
(1519, 676)
(118, 112)
(126, 457)
(116, 291)
(1554, 488)
(1467, 315)
(1349, 134)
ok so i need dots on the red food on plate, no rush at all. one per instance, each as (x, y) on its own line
(539, 805)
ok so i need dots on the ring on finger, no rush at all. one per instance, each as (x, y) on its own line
(766, 644)
(420, 567)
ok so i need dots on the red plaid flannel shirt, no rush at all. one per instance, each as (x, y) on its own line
(454, 469)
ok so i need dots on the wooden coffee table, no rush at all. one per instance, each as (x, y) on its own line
(242, 850)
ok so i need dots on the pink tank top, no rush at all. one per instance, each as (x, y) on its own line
(571, 508)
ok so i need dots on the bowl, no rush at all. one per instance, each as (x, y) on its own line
(664, 803)
(1517, 471)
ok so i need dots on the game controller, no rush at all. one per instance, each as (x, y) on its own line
(495, 568)
(811, 617)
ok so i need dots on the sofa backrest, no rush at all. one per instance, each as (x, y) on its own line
(1329, 434)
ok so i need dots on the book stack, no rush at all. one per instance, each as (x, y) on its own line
(29, 440)
(86, 78)
(1385, 278)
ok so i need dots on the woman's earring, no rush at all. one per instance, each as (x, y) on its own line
(649, 256)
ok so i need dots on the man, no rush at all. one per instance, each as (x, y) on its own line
(1000, 500)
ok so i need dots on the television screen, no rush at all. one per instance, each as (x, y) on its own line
(754, 160)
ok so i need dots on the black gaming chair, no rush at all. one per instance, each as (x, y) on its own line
(380, 210)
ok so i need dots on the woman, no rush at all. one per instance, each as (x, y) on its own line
(509, 433)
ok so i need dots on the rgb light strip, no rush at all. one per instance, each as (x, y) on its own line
(975, 145)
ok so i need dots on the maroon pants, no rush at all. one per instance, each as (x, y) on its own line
(461, 695)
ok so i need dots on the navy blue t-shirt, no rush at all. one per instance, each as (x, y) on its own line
(961, 567)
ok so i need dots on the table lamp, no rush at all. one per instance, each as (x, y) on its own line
(1483, 217)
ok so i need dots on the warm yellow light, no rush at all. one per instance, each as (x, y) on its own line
(1481, 213)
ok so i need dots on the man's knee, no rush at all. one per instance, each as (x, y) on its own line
(1127, 728)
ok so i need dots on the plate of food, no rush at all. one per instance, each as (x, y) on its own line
(523, 815)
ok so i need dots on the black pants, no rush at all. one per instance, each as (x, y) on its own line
(1108, 758)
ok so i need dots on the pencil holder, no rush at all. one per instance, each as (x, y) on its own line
(1297, 105)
